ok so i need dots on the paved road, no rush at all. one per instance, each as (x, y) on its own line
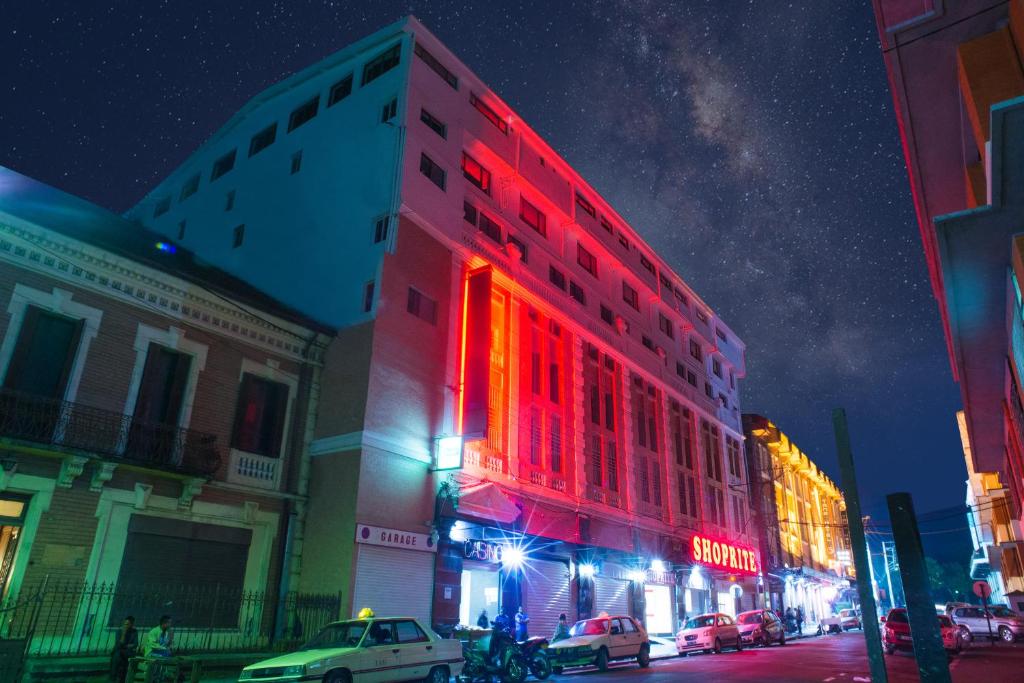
(829, 659)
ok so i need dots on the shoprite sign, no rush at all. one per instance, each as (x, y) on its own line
(723, 555)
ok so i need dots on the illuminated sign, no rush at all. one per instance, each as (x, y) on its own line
(482, 551)
(448, 453)
(723, 555)
(394, 538)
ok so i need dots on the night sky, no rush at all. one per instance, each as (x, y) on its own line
(753, 144)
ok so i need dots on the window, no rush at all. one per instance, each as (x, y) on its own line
(576, 292)
(665, 282)
(732, 449)
(712, 446)
(469, 213)
(340, 91)
(630, 296)
(702, 316)
(262, 140)
(680, 369)
(721, 335)
(389, 110)
(666, 326)
(222, 165)
(368, 290)
(624, 241)
(181, 230)
(695, 350)
(161, 395)
(732, 379)
(43, 355)
(260, 416)
(303, 113)
(229, 200)
(716, 367)
(607, 315)
(488, 113)
(556, 277)
(162, 206)
(422, 306)
(647, 341)
(475, 173)
(430, 169)
(587, 260)
(189, 188)
(607, 226)
(434, 123)
(296, 162)
(709, 390)
(585, 205)
(532, 216)
(691, 378)
(436, 66)
(680, 297)
(490, 228)
(381, 64)
(544, 347)
(681, 423)
(239, 236)
(380, 229)
(524, 254)
(409, 632)
(648, 266)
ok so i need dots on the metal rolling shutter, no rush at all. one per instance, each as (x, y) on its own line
(611, 596)
(547, 595)
(394, 582)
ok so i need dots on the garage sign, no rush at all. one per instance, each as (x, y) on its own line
(720, 554)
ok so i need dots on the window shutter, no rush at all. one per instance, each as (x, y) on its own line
(280, 409)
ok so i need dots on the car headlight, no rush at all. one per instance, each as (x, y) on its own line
(245, 675)
(294, 670)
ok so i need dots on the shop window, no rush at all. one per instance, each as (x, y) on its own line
(260, 416)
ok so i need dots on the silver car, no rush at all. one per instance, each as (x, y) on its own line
(973, 623)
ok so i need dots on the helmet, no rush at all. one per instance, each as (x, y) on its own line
(366, 613)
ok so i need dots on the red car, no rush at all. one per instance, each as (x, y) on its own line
(896, 632)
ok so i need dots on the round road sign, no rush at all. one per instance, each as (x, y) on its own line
(982, 589)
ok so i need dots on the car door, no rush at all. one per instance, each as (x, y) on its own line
(379, 655)
(416, 650)
(617, 639)
(634, 637)
(727, 630)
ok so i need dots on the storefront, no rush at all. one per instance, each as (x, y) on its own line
(481, 590)
(393, 567)
(659, 601)
(731, 570)
(545, 591)
(813, 591)
(611, 590)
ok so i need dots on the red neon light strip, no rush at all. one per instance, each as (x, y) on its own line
(462, 358)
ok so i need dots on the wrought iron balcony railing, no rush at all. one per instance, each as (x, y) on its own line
(110, 435)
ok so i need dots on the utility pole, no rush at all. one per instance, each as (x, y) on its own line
(932, 661)
(858, 542)
(892, 564)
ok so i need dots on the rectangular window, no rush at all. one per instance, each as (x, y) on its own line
(389, 110)
(296, 162)
(709, 390)
(222, 165)
(613, 466)
(488, 113)
(680, 369)
(680, 297)
(695, 350)
(476, 173)
(260, 416)
(642, 481)
(587, 260)
(681, 486)
(721, 335)
(712, 450)
(555, 442)
(691, 378)
(490, 228)
(524, 255)
(532, 216)
(430, 169)
(368, 290)
(380, 229)
(648, 266)
(189, 188)
(623, 241)
(607, 226)
(422, 306)
(303, 113)
(647, 341)
(666, 326)
(43, 355)
(469, 213)
(238, 236)
(732, 447)
(382, 63)
(162, 207)
(436, 66)
(702, 316)
(556, 277)
(576, 292)
(656, 482)
(340, 91)
(434, 123)
(607, 315)
(587, 207)
(161, 392)
(229, 200)
(665, 282)
(716, 367)
(691, 486)
(262, 140)
(630, 296)
(594, 474)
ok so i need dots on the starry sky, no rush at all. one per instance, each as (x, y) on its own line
(751, 142)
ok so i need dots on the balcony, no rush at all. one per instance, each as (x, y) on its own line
(539, 477)
(75, 428)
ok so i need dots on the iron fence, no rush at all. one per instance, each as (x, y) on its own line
(108, 434)
(72, 618)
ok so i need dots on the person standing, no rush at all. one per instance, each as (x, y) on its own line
(124, 649)
(562, 629)
(522, 631)
(800, 620)
(483, 621)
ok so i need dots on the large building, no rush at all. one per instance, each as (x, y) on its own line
(957, 80)
(801, 520)
(524, 403)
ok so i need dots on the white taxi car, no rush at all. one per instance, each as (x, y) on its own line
(600, 640)
(365, 650)
(708, 633)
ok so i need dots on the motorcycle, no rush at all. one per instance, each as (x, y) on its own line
(498, 655)
(535, 652)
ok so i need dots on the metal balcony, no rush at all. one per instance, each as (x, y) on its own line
(73, 427)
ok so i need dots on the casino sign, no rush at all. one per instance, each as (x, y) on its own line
(720, 554)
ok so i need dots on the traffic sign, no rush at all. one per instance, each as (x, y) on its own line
(982, 589)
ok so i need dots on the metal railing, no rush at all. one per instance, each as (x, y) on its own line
(76, 619)
(107, 434)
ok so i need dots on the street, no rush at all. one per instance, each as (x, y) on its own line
(830, 659)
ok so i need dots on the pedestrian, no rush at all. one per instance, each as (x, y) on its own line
(522, 632)
(800, 620)
(483, 621)
(502, 623)
(790, 620)
(124, 649)
(156, 647)
(562, 629)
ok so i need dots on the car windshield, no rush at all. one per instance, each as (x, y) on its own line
(343, 634)
(897, 617)
(1003, 612)
(945, 622)
(590, 627)
(749, 618)
(702, 621)
(847, 613)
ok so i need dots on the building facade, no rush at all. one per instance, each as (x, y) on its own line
(801, 516)
(154, 433)
(524, 404)
(956, 74)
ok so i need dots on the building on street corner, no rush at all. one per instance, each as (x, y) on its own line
(804, 537)
(523, 405)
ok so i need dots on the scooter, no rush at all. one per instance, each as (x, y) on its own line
(535, 652)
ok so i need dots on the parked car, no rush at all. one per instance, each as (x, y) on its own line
(707, 633)
(358, 650)
(896, 632)
(599, 641)
(849, 619)
(760, 627)
(1006, 624)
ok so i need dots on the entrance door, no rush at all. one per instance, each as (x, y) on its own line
(611, 596)
(480, 591)
(154, 429)
(546, 587)
(12, 516)
(658, 613)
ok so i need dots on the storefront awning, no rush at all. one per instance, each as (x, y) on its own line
(487, 502)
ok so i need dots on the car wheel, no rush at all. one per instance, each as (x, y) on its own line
(515, 670)
(739, 643)
(761, 641)
(965, 634)
(643, 658)
(439, 674)
(718, 646)
(338, 677)
(782, 638)
(1006, 634)
(602, 660)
